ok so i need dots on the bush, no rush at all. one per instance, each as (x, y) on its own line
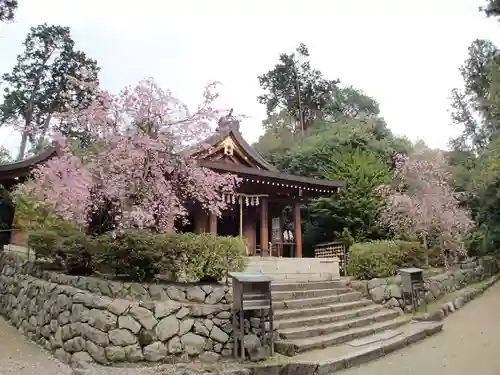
(383, 258)
(135, 254)
(435, 257)
(412, 254)
(141, 255)
(189, 257)
(69, 249)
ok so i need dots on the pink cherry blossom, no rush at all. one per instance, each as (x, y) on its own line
(134, 161)
(423, 200)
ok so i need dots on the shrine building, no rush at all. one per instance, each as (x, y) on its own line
(265, 208)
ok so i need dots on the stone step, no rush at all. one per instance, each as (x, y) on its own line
(311, 293)
(321, 310)
(293, 347)
(294, 286)
(316, 320)
(316, 301)
(326, 329)
(334, 359)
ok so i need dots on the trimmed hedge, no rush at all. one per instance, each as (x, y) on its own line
(71, 250)
(383, 258)
(142, 255)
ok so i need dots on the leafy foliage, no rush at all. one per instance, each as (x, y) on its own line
(475, 154)
(69, 249)
(4, 155)
(292, 85)
(383, 258)
(277, 139)
(142, 255)
(492, 8)
(40, 86)
(7, 10)
(352, 151)
(356, 206)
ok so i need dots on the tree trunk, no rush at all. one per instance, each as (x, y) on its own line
(426, 252)
(43, 133)
(22, 146)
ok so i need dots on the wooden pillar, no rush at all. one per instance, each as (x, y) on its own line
(264, 227)
(200, 221)
(298, 229)
(249, 231)
(212, 223)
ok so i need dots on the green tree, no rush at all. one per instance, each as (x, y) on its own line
(43, 83)
(345, 104)
(277, 139)
(349, 102)
(7, 10)
(356, 206)
(292, 85)
(472, 106)
(492, 8)
(4, 155)
(354, 151)
(475, 154)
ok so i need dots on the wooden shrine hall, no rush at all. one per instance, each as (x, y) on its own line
(266, 207)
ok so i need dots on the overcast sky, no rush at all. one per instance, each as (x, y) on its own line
(405, 54)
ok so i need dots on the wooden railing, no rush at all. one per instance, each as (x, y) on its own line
(331, 250)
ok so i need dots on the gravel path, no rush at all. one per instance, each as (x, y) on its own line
(468, 345)
(21, 357)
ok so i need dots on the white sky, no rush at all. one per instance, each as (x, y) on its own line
(405, 54)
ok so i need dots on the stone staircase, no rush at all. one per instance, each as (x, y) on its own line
(311, 316)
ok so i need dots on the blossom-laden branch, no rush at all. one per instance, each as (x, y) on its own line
(135, 162)
(423, 200)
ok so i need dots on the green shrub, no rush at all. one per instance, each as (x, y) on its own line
(43, 243)
(435, 257)
(69, 249)
(180, 256)
(141, 255)
(383, 258)
(194, 257)
(412, 254)
(136, 254)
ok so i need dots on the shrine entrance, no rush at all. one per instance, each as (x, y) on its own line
(265, 208)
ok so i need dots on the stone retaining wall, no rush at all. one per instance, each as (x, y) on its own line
(210, 294)
(61, 314)
(388, 291)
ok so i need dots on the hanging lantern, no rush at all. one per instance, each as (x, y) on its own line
(252, 201)
(256, 201)
(246, 201)
(233, 198)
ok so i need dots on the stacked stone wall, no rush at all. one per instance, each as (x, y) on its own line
(89, 319)
(388, 291)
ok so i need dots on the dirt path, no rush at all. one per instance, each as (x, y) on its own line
(21, 357)
(468, 345)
